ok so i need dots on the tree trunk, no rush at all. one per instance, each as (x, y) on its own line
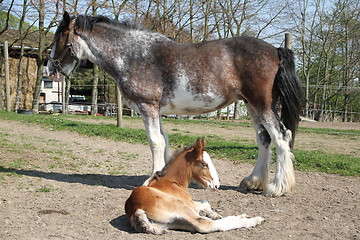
(237, 109)
(20, 78)
(7, 77)
(41, 59)
(94, 96)
(20, 66)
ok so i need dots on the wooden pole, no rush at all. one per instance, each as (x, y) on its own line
(119, 107)
(7, 77)
(288, 40)
(1, 80)
(63, 95)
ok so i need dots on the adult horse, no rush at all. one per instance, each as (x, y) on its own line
(166, 202)
(159, 76)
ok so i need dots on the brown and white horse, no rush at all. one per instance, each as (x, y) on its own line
(166, 203)
(158, 76)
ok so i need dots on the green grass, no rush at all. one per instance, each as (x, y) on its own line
(217, 146)
(44, 189)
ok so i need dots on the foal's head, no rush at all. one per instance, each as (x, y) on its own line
(202, 168)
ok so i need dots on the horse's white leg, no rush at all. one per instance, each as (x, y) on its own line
(284, 180)
(166, 138)
(156, 142)
(204, 209)
(260, 174)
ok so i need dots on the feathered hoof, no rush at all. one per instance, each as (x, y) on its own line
(250, 183)
(273, 190)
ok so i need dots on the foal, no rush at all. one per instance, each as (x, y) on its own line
(166, 203)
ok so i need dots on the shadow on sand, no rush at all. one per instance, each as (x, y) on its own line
(110, 181)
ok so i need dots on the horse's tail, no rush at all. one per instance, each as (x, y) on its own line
(141, 223)
(290, 91)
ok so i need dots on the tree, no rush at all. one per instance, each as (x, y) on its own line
(329, 56)
(20, 65)
(5, 22)
(40, 8)
(41, 58)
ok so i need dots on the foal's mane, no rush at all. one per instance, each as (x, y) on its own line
(172, 159)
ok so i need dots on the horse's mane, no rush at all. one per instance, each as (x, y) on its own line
(87, 23)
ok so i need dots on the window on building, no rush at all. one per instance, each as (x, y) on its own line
(48, 83)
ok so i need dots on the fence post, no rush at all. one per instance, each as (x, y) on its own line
(1, 82)
(119, 107)
(7, 77)
(63, 96)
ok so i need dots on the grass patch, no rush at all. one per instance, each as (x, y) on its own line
(217, 146)
(18, 163)
(44, 189)
(6, 172)
(330, 131)
(330, 163)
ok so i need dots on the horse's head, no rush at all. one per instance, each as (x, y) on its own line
(63, 57)
(203, 171)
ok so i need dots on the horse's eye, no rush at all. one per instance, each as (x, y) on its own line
(204, 165)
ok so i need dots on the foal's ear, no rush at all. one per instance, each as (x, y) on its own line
(200, 146)
(203, 142)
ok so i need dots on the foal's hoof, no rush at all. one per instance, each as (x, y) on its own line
(258, 220)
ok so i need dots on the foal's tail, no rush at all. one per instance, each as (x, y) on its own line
(290, 91)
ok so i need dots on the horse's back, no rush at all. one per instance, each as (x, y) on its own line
(203, 77)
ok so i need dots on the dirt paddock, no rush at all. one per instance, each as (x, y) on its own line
(60, 185)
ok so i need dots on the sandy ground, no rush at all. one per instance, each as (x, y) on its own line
(60, 185)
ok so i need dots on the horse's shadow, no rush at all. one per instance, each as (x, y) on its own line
(111, 181)
(127, 182)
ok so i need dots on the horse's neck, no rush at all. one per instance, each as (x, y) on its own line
(130, 44)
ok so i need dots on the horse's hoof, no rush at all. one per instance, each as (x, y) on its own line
(250, 184)
(278, 188)
(271, 190)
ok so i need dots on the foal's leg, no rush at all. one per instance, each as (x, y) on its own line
(188, 219)
(206, 225)
(204, 209)
(260, 174)
(284, 180)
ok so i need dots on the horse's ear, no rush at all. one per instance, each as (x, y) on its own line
(66, 18)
